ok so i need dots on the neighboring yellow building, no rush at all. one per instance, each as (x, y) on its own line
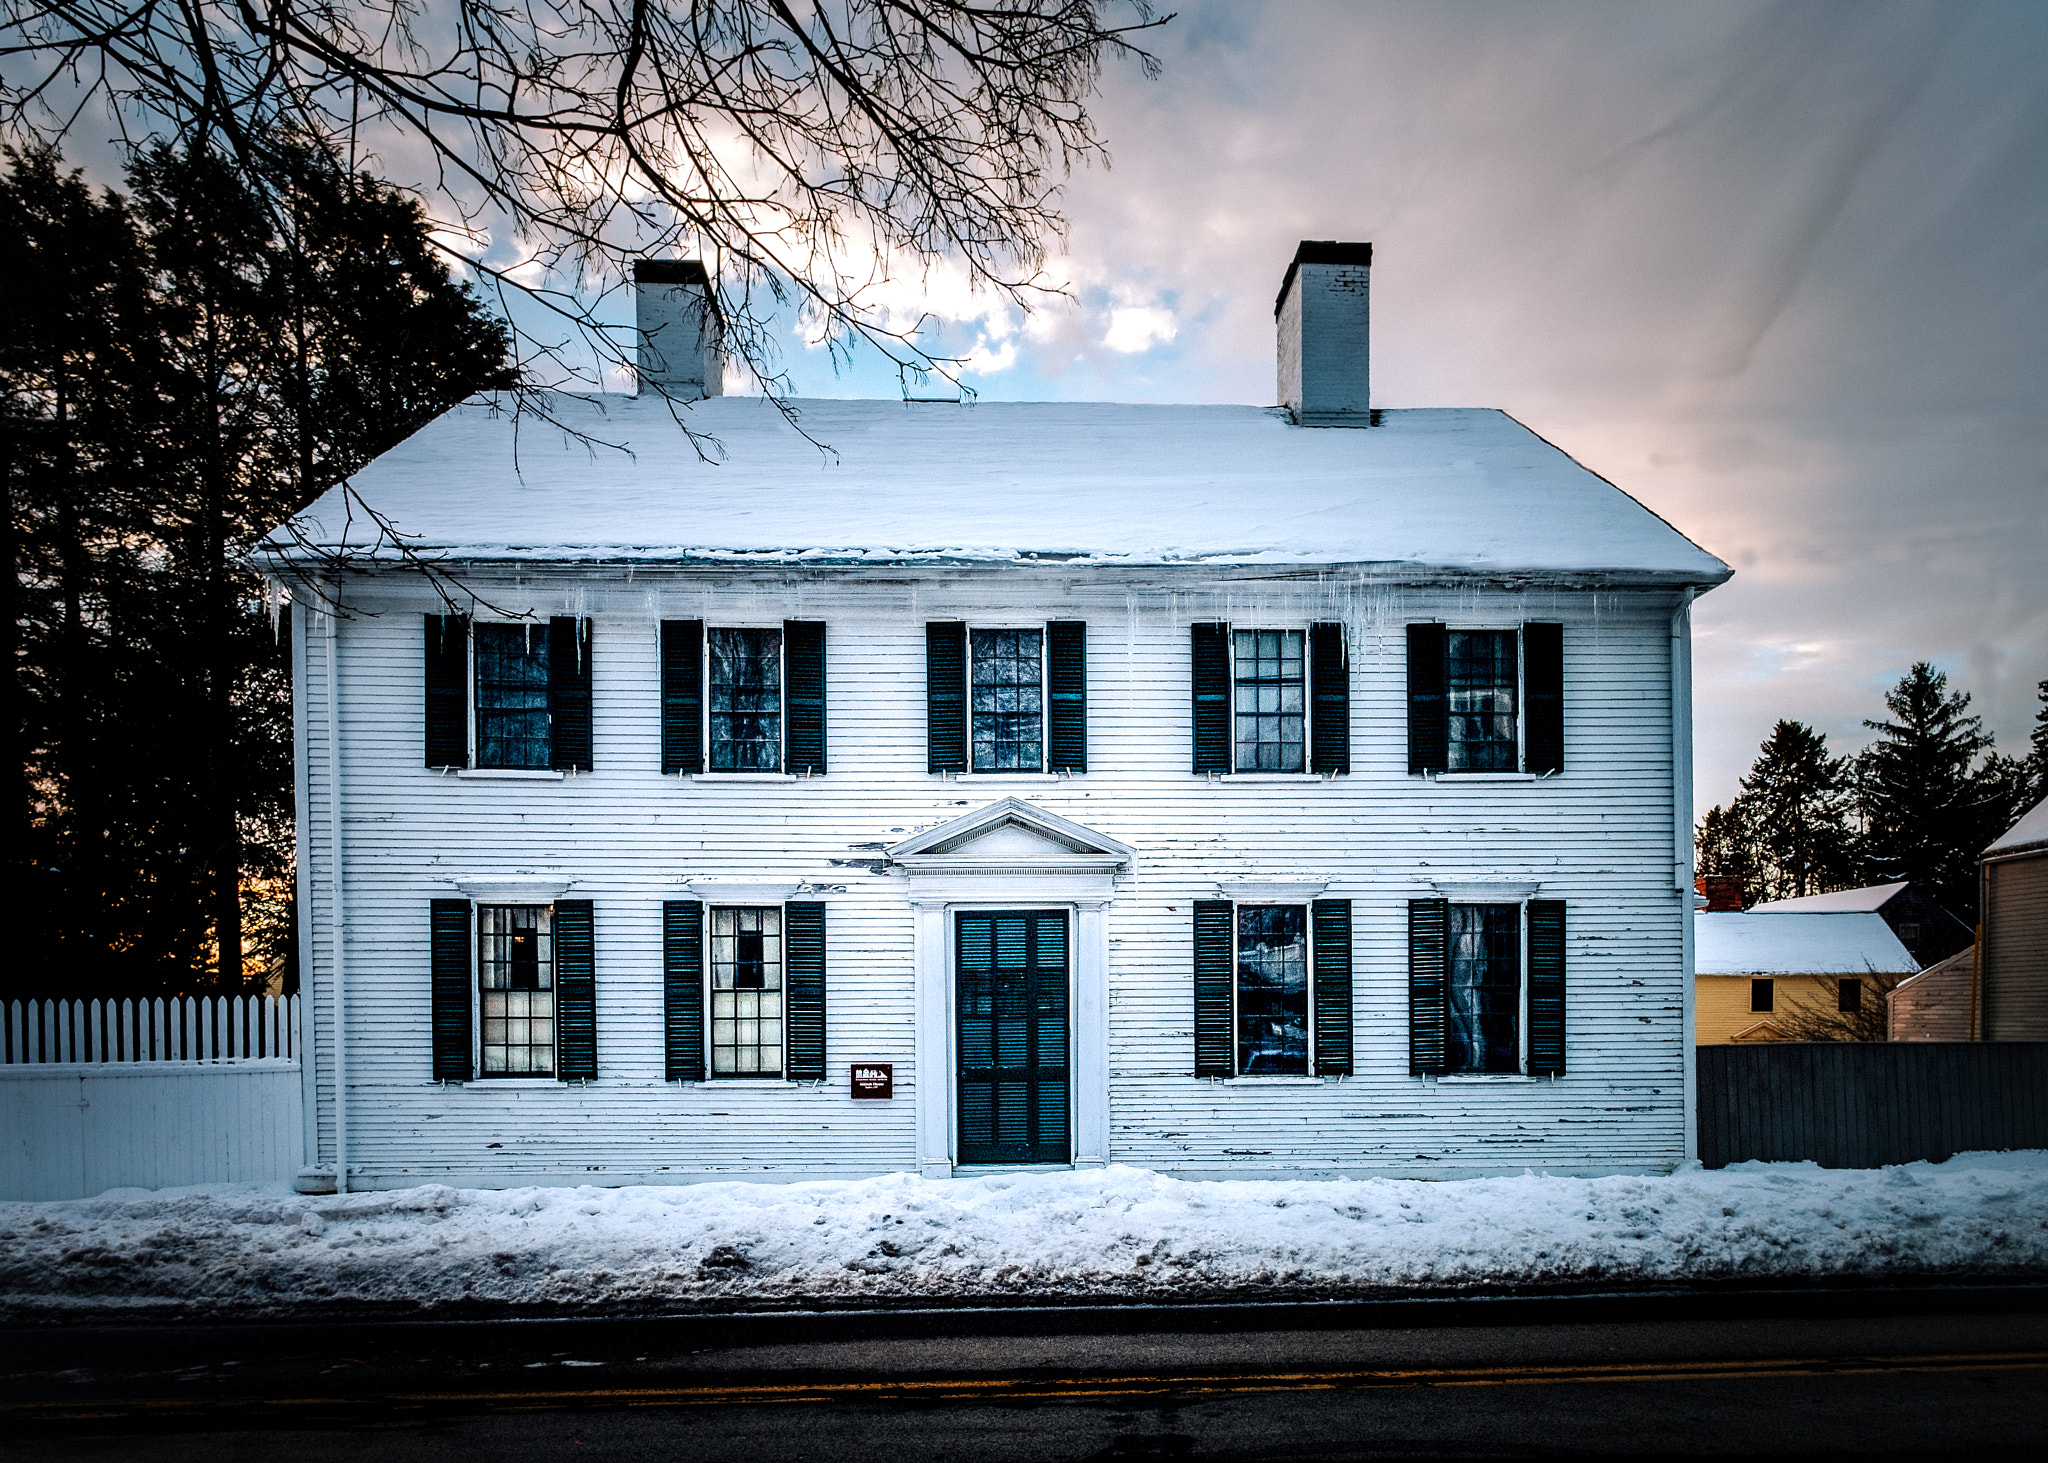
(1750, 971)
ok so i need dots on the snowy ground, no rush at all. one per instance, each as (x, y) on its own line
(1114, 1234)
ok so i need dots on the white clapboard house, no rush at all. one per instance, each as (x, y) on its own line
(1229, 790)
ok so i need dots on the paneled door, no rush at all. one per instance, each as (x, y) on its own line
(1013, 1037)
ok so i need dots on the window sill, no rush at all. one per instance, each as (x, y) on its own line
(1274, 1079)
(749, 1081)
(517, 1082)
(744, 777)
(1480, 1078)
(1003, 777)
(510, 774)
(1485, 777)
(1271, 777)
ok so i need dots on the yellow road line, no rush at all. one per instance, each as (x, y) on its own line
(999, 1390)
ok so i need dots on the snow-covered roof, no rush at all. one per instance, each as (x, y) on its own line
(1842, 901)
(997, 481)
(1797, 944)
(2032, 828)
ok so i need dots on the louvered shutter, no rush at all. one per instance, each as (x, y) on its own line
(803, 953)
(1329, 689)
(1331, 925)
(1429, 709)
(449, 981)
(1546, 987)
(1213, 1056)
(1428, 957)
(575, 991)
(945, 696)
(1543, 693)
(1209, 686)
(569, 693)
(682, 696)
(803, 655)
(447, 691)
(1067, 682)
(682, 990)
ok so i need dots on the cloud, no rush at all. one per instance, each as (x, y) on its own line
(1137, 328)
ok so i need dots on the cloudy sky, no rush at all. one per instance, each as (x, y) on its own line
(1779, 269)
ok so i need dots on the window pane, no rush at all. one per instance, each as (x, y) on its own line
(1272, 988)
(1271, 698)
(1482, 1030)
(746, 986)
(516, 989)
(1481, 672)
(1008, 700)
(746, 700)
(512, 696)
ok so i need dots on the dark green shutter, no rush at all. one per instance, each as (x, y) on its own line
(1066, 657)
(1213, 1056)
(682, 990)
(1429, 709)
(803, 656)
(1209, 684)
(1428, 984)
(1331, 923)
(1543, 690)
(450, 980)
(569, 693)
(945, 696)
(447, 691)
(575, 991)
(803, 953)
(682, 696)
(1329, 688)
(1546, 987)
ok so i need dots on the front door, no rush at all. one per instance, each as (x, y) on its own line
(1013, 1037)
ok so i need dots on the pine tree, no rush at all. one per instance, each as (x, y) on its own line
(1725, 845)
(1927, 811)
(1796, 799)
(2037, 755)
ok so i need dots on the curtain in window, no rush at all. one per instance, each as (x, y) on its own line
(1485, 995)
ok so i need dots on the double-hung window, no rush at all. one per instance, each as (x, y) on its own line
(1483, 1012)
(1270, 700)
(1486, 700)
(516, 990)
(1007, 684)
(512, 696)
(746, 992)
(1272, 992)
(1273, 1018)
(745, 700)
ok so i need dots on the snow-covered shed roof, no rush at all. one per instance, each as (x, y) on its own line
(1797, 944)
(2031, 829)
(996, 481)
(1843, 901)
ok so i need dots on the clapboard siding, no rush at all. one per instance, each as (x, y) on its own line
(1598, 836)
(2015, 977)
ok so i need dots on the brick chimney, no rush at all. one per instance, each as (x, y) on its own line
(679, 346)
(1323, 313)
(1723, 891)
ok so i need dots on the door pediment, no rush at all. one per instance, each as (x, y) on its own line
(1011, 836)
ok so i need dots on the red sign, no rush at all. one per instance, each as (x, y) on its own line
(874, 1079)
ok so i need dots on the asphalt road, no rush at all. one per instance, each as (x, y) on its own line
(1961, 1375)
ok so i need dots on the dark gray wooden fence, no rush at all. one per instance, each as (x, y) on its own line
(1858, 1105)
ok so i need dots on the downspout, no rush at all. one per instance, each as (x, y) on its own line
(338, 900)
(1682, 850)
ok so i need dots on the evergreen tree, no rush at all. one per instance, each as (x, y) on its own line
(1927, 809)
(2037, 754)
(184, 371)
(1796, 800)
(1725, 845)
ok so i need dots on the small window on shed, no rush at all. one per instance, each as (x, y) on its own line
(1763, 995)
(1849, 995)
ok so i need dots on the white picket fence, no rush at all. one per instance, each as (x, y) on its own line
(97, 1095)
(178, 1029)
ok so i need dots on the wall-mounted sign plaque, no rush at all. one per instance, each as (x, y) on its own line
(874, 1079)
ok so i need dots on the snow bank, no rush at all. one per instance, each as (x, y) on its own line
(1114, 1234)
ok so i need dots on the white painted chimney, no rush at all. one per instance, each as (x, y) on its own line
(679, 345)
(1323, 314)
